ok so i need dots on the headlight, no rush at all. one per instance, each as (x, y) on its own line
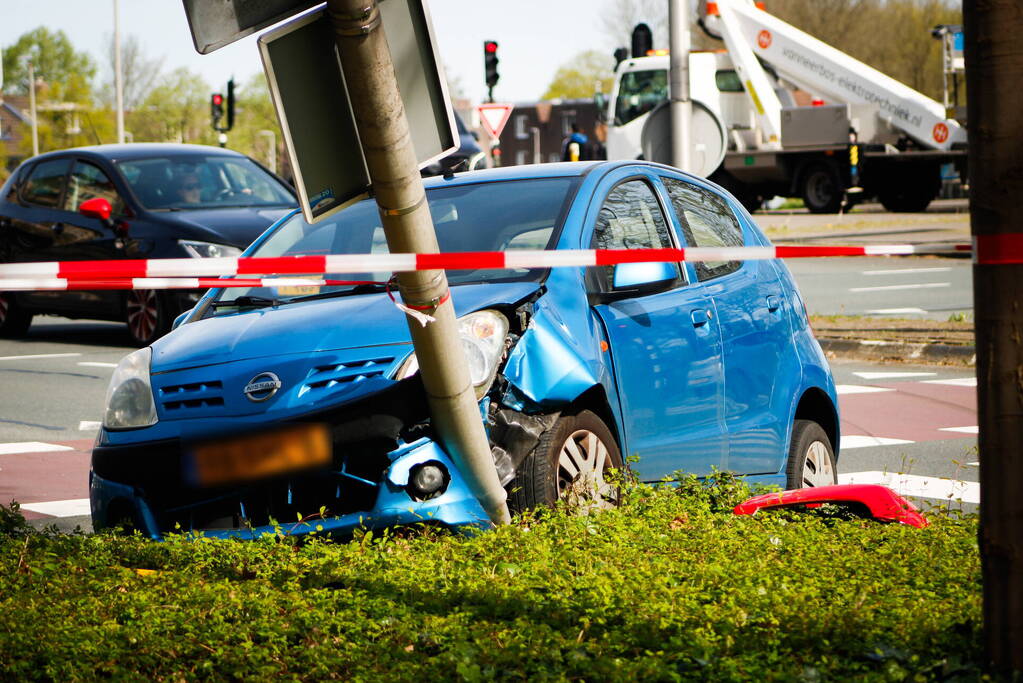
(130, 395)
(482, 334)
(208, 249)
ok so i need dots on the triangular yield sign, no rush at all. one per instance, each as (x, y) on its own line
(494, 117)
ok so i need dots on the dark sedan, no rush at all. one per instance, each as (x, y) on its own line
(124, 202)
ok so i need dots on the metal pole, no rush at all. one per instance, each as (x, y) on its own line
(535, 132)
(994, 58)
(118, 75)
(398, 188)
(681, 104)
(32, 108)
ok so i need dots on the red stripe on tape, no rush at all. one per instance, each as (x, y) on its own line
(460, 261)
(1001, 249)
(609, 257)
(102, 269)
(284, 265)
(805, 251)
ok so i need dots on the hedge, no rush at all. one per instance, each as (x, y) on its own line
(669, 586)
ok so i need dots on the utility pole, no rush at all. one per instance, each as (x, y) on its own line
(398, 188)
(681, 104)
(994, 60)
(32, 108)
(118, 75)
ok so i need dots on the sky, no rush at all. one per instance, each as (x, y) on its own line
(535, 38)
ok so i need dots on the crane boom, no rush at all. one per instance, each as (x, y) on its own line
(821, 69)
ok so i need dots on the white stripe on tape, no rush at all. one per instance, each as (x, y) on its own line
(883, 249)
(729, 253)
(355, 263)
(534, 258)
(221, 265)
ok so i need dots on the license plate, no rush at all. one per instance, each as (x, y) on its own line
(299, 290)
(255, 456)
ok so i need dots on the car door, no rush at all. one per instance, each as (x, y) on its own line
(750, 308)
(35, 220)
(664, 346)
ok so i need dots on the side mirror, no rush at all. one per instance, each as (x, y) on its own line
(643, 277)
(97, 207)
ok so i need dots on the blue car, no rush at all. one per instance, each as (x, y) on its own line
(301, 408)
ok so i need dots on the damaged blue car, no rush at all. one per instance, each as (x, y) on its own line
(301, 408)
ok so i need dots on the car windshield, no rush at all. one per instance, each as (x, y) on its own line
(494, 216)
(639, 92)
(199, 181)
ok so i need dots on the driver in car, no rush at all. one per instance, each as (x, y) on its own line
(187, 188)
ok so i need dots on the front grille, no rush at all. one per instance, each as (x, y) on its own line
(194, 395)
(330, 376)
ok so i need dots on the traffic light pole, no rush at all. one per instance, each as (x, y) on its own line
(384, 132)
(681, 104)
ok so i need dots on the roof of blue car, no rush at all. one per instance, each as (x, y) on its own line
(561, 169)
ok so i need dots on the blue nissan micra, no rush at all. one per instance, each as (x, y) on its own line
(301, 407)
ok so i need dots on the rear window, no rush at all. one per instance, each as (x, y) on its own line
(45, 184)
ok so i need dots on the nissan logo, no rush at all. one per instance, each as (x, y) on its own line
(262, 387)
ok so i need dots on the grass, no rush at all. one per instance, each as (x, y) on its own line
(670, 586)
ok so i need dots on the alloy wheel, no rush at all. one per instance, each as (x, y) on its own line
(583, 468)
(143, 313)
(817, 468)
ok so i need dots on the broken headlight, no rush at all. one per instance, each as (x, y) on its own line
(482, 334)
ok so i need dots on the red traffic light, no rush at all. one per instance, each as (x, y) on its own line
(490, 46)
(218, 99)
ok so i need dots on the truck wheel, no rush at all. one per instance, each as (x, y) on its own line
(822, 188)
(14, 321)
(911, 191)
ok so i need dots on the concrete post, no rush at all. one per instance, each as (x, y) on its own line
(398, 188)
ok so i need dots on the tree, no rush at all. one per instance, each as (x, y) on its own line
(579, 77)
(994, 60)
(621, 16)
(254, 114)
(177, 110)
(139, 72)
(67, 72)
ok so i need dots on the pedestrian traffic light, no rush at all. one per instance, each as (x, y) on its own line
(216, 109)
(490, 62)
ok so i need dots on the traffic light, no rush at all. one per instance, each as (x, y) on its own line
(216, 109)
(490, 63)
(230, 105)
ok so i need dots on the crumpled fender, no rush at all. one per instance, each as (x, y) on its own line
(882, 503)
(550, 366)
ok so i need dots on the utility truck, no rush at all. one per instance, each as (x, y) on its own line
(867, 136)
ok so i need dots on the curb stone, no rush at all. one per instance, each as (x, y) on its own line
(875, 349)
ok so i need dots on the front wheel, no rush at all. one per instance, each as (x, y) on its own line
(822, 188)
(147, 316)
(573, 461)
(14, 321)
(811, 457)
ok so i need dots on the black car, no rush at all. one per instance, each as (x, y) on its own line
(149, 201)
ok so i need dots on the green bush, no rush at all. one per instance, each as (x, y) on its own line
(670, 586)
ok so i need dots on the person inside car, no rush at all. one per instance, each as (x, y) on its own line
(187, 189)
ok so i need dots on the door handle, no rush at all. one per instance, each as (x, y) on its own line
(700, 317)
(773, 302)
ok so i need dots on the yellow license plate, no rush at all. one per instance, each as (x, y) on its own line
(299, 290)
(256, 456)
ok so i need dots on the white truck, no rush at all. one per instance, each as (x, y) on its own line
(870, 136)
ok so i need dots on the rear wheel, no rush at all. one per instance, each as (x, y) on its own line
(573, 461)
(14, 320)
(822, 188)
(811, 457)
(147, 316)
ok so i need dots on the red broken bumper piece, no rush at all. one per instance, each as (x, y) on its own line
(883, 503)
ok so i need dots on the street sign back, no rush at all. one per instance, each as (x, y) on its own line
(216, 23)
(493, 117)
(312, 102)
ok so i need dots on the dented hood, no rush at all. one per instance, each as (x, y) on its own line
(329, 324)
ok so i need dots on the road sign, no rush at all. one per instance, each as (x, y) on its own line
(309, 92)
(216, 24)
(494, 117)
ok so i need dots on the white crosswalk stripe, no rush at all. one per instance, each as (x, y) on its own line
(918, 486)
(857, 441)
(845, 389)
(60, 508)
(31, 447)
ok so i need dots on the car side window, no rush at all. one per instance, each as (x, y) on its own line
(88, 181)
(630, 218)
(707, 221)
(45, 183)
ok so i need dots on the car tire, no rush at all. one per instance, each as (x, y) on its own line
(14, 320)
(147, 316)
(564, 465)
(811, 457)
(821, 188)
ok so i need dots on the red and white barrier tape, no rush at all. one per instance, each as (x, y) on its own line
(46, 284)
(392, 263)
